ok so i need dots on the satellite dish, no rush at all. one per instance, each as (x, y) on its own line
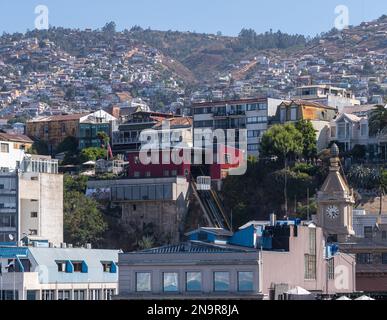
(11, 237)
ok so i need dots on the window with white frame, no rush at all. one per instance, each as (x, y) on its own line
(143, 282)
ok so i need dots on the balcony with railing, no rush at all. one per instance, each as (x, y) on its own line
(40, 165)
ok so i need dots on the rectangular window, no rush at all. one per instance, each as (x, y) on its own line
(341, 131)
(310, 267)
(77, 266)
(363, 130)
(293, 114)
(106, 267)
(312, 241)
(245, 281)
(48, 294)
(174, 173)
(94, 294)
(108, 294)
(368, 231)
(143, 282)
(364, 258)
(384, 258)
(34, 214)
(136, 174)
(252, 107)
(170, 282)
(253, 133)
(283, 115)
(79, 295)
(4, 147)
(331, 269)
(61, 266)
(253, 147)
(64, 294)
(166, 173)
(384, 235)
(33, 232)
(333, 132)
(194, 281)
(221, 281)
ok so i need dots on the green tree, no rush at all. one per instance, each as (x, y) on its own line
(93, 154)
(104, 138)
(147, 242)
(282, 141)
(378, 120)
(39, 147)
(83, 221)
(109, 28)
(382, 190)
(69, 144)
(309, 138)
(75, 183)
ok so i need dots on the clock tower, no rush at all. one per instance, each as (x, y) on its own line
(335, 203)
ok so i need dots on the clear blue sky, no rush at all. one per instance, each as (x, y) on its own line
(307, 17)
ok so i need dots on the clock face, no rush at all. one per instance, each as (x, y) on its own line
(332, 212)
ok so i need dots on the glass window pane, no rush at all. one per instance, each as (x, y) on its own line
(245, 281)
(221, 281)
(194, 281)
(171, 282)
(143, 282)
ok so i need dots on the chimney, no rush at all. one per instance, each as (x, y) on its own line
(273, 220)
(50, 245)
(63, 245)
(70, 245)
(88, 245)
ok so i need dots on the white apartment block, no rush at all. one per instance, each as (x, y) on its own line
(249, 114)
(31, 194)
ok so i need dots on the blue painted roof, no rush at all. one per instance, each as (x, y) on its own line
(12, 252)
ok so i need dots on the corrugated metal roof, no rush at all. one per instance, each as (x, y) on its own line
(194, 247)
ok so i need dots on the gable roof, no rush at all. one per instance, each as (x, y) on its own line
(15, 138)
(350, 117)
(196, 247)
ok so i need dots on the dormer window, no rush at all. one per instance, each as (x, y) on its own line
(106, 266)
(77, 266)
(61, 266)
(109, 267)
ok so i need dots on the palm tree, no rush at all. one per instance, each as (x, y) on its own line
(378, 120)
(383, 190)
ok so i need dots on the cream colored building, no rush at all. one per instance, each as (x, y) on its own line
(31, 201)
